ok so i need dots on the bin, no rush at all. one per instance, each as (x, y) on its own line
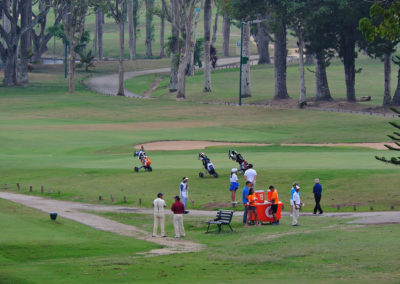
(264, 213)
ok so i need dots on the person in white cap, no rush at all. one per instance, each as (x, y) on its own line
(234, 185)
(184, 191)
(292, 191)
(296, 206)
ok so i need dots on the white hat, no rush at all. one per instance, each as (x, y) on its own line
(186, 178)
(234, 170)
(298, 187)
(317, 180)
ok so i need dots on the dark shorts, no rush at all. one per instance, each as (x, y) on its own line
(274, 208)
(253, 208)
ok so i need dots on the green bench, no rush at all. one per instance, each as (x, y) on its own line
(224, 217)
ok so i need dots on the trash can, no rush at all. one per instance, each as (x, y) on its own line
(53, 215)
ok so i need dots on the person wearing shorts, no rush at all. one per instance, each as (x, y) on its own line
(252, 208)
(234, 185)
(274, 206)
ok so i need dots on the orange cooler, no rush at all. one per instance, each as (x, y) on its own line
(269, 194)
(264, 212)
(260, 194)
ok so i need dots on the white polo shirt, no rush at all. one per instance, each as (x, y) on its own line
(250, 174)
(296, 198)
(159, 205)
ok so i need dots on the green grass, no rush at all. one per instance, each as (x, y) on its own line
(38, 250)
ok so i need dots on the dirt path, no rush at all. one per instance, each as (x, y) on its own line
(194, 145)
(73, 211)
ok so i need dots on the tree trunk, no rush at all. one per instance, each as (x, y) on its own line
(190, 71)
(322, 92)
(303, 98)
(10, 58)
(175, 23)
(396, 96)
(215, 28)
(246, 87)
(71, 70)
(10, 69)
(263, 44)
(132, 51)
(348, 46)
(280, 56)
(149, 27)
(96, 32)
(387, 98)
(100, 35)
(121, 90)
(162, 32)
(226, 30)
(309, 59)
(26, 42)
(207, 43)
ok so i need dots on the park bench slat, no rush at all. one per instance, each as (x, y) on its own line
(223, 217)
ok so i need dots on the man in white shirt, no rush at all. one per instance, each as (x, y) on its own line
(250, 175)
(184, 192)
(296, 206)
(159, 218)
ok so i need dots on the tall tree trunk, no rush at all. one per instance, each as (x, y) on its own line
(71, 70)
(263, 44)
(207, 43)
(175, 23)
(190, 71)
(347, 49)
(215, 28)
(100, 35)
(10, 69)
(246, 84)
(303, 98)
(132, 51)
(226, 30)
(10, 58)
(322, 92)
(26, 42)
(121, 89)
(149, 27)
(162, 31)
(96, 32)
(396, 96)
(280, 57)
(387, 98)
(309, 59)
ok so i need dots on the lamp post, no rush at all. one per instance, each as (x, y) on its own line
(244, 60)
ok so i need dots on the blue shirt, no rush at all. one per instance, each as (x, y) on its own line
(317, 189)
(245, 192)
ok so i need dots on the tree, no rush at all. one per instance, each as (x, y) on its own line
(383, 34)
(149, 27)
(162, 31)
(10, 33)
(246, 83)
(396, 139)
(26, 42)
(262, 39)
(207, 44)
(226, 31)
(215, 27)
(133, 21)
(98, 34)
(116, 10)
(73, 18)
(86, 60)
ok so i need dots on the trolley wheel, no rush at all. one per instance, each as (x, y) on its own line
(215, 174)
(149, 168)
(136, 169)
(201, 174)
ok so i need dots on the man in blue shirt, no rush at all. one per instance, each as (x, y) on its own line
(317, 190)
(245, 200)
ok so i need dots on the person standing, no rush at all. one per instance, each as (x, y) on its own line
(159, 218)
(234, 185)
(317, 190)
(245, 200)
(252, 210)
(178, 208)
(251, 175)
(292, 191)
(184, 191)
(296, 207)
(274, 206)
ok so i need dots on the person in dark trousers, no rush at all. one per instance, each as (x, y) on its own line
(317, 190)
(245, 200)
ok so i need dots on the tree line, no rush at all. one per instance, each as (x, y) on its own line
(324, 29)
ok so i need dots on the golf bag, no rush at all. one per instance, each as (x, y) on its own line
(146, 163)
(208, 166)
(235, 156)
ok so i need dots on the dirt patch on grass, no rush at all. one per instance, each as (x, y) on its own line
(153, 87)
(190, 145)
(375, 146)
(216, 205)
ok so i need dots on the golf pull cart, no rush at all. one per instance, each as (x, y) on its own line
(146, 163)
(208, 166)
(235, 156)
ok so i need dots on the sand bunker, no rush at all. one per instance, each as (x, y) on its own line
(190, 145)
(195, 145)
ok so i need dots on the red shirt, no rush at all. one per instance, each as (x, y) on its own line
(178, 207)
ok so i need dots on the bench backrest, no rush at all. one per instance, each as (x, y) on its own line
(225, 215)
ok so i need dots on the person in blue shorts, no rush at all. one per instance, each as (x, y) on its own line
(234, 185)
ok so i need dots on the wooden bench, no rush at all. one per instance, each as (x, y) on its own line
(224, 217)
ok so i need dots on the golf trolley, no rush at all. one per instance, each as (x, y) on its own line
(146, 163)
(235, 156)
(208, 166)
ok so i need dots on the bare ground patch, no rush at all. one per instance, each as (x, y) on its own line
(190, 145)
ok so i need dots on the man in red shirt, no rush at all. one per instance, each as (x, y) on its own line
(178, 208)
